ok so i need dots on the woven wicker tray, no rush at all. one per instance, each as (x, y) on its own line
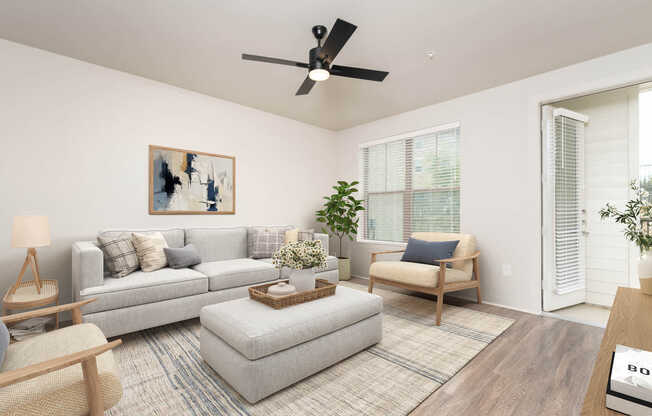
(259, 293)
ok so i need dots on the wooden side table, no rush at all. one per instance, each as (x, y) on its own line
(27, 297)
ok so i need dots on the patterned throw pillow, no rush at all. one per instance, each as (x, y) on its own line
(267, 242)
(119, 255)
(149, 249)
(306, 235)
(252, 231)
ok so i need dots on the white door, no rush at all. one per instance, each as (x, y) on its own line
(564, 222)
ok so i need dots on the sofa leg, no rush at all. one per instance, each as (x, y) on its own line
(477, 289)
(93, 388)
(371, 284)
(440, 307)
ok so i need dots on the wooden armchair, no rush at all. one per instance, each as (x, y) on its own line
(41, 375)
(425, 278)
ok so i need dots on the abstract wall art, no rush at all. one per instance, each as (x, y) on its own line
(189, 182)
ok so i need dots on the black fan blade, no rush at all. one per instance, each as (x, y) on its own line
(340, 33)
(305, 87)
(267, 59)
(359, 73)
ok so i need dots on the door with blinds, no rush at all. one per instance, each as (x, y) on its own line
(563, 228)
(411, 182)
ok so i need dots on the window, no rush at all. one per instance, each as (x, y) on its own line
(411, 183)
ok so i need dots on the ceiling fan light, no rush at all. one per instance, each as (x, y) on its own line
(318, 74)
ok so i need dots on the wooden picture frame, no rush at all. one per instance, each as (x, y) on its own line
(176, 187)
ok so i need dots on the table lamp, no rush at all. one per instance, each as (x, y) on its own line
(30, 231)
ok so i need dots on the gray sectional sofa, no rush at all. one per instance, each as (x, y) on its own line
(144, 300)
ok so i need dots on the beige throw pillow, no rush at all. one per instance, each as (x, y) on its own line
(149, 249)
(292, 236)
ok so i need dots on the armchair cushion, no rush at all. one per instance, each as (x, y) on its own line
(61, 392)
(428, 252)
(419, 274)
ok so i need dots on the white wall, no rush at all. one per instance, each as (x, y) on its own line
(75, 142)
(500, 152)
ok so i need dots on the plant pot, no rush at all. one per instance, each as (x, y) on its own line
(303, 279)
(645, 272)
(344, 268)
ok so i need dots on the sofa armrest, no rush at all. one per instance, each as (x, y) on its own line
(87, 267)
(324, 241)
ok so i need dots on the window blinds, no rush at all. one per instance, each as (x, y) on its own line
(411, 183)
(567, 176)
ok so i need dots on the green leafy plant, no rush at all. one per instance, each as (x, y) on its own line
(340, 212)
(636, 210)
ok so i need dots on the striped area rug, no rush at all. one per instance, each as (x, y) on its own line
(163, 373)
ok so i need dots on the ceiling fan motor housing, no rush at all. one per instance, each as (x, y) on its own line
(314, 62)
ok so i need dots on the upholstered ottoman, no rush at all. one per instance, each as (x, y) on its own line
(259, 350)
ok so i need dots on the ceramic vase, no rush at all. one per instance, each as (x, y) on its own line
(303, 279)
(645, 272)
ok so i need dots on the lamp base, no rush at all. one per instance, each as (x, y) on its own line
(32, 261)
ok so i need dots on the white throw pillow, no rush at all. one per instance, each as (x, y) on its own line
(149, 249)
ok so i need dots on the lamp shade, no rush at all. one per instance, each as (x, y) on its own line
(30, 231)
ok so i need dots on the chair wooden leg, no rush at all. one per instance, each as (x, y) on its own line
(93, 388)
(477, 290)
(440, 307)
(371, 284)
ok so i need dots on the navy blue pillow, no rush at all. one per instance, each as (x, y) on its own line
(428, 252)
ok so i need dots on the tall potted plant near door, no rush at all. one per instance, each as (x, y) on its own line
(340, 216)
(636, 218)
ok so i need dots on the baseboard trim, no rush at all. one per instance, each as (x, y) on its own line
(472, 299)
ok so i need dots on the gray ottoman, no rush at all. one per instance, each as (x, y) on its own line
(259, 350)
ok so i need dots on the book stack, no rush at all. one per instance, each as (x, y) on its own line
(629, 390)
(30, 328)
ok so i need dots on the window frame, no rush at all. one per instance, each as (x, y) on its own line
(407, 202)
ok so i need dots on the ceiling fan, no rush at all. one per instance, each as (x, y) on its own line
(321, 58)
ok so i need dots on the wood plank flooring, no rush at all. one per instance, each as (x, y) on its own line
(539, 366)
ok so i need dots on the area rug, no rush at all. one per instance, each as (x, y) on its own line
(163, 373)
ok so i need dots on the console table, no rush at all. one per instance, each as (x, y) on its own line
(630, 325)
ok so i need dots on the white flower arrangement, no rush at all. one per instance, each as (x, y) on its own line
(300, 255)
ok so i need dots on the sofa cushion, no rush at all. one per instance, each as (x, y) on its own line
(139, 288)
(331, 264)
(62, 392)
(256, 330)
(174, 237)
(226, 274)
(222, 243)
(419, 274)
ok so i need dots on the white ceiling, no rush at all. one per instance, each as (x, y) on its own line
(197, 45)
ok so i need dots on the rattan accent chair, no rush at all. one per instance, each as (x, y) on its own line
(425, 278)
(68, 371)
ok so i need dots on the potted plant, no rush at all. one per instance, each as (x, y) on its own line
(340, 215)
(635, 218)
(303, 257)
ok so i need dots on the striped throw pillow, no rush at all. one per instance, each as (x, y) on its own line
(119, 255)
(149, 249)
